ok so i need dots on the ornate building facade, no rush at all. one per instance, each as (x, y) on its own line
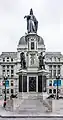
(10, 63)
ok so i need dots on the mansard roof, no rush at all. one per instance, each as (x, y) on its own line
(47, 54)
(9, 54)
(53, 54)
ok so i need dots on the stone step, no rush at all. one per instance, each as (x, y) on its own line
(31, 105)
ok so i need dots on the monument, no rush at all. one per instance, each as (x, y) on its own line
(31, 72)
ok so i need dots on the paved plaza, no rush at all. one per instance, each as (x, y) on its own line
(31, 118)
(7, 115)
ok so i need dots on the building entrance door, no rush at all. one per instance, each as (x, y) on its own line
(32, 84)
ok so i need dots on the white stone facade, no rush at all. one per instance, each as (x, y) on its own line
(54, 61)
(10, 64)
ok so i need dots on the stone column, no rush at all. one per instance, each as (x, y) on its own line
(42, 88)
(27, 83)
(22, 83)
(36, 83)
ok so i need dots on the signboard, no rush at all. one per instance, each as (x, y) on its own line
(7, 83)
(55, 83)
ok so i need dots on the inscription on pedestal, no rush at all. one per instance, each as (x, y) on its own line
(32, 84)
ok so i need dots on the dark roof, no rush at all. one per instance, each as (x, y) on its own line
(22, 41)
(41, 41)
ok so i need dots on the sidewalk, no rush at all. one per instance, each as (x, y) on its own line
(8, 114)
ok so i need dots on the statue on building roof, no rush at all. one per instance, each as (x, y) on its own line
(22, 60)
(32, 23)
(41, 61)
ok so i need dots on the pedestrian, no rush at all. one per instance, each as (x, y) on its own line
(4, 104)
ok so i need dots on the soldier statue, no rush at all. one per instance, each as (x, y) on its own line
(32, 23)
(23, 62)
(41, 61)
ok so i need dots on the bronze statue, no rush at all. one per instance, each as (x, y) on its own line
(32, 23)
(23, 62)
(41, 61)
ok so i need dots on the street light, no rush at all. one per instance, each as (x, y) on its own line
(57, 78)
(5, 78)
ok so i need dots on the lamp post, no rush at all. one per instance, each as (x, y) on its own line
(57, 78)
(5, 78)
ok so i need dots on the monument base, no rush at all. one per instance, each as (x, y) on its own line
(33, 103)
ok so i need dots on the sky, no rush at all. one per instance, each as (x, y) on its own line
(13, 26)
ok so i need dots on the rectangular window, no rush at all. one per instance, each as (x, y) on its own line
(7, 59)
(8, 91)
(54, 66)
(50, 90)
(58, 66)
(58, 59)
(58, 72)
(54, 90)
(11, 83)
(7, 66)
(54, 73)
(11, 66)
(7, 71)
(12, 71)
(12, 91)
(50, 67)
(11, 59)
(50, 83)
(50, 75)
(3, 71)
(32, 45)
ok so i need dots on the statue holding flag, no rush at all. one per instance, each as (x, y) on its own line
(32, 23)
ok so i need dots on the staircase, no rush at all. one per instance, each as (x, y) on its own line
(32, 104)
